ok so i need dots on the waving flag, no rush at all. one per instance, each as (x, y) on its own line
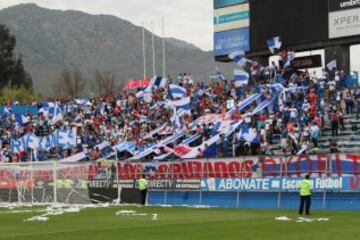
(83, 101)
(239, 58)
(262, 106)
(21, 119)
(331, 65)
(132, 84)
(241, 78)
(56, 114)
(291, 57)
(155, 82)
(175, 119)
(183, 106)
(274, 44)
(218, 74)
(4, 111)
(47, 105)
(158, 82)
(248, 135)
(177, 91)
(126, 146)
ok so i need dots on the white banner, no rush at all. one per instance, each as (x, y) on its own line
(344, 23)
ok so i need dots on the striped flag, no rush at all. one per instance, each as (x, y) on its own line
(241, 78)
(157, 81)
(218, 74)
(177, 91)
(239, 58)
(274, 44)
(183, 106)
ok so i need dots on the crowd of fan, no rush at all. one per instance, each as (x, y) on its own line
(297, 116)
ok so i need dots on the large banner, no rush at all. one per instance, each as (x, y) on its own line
(64, 139)
(326, 165)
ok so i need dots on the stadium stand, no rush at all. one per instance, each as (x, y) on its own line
(277, 111)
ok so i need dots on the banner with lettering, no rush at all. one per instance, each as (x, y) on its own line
(280, 184)
(335, 165)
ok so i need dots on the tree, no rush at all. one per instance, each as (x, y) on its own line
(21, 94)
(12, 71)
(69, 84)
(105, 82)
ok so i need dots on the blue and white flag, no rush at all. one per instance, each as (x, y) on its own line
(47, 105)
(83, 102)
(217, 74)
(56, 114)
(262, 106)
(274, 44)
(177, 91)
(4, 111)
(183, 106)
(239, 58)
(278, 87)
(157, 82)
(241, 78)
(126, 146)
(176, 119)
(290, 58)
(201, 92)
(248, 134)
(21, 119)
(331, 65)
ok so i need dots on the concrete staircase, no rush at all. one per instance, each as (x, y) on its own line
(348, 140)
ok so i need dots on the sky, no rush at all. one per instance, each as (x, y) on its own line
(189, 20)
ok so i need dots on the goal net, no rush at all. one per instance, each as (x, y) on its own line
(44, 183)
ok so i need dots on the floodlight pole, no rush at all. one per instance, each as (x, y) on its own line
(163, 46)
(144, 48)
(153, 47)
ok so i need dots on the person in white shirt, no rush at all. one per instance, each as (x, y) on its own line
(306, 106)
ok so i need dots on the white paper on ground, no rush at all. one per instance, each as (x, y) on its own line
(283, 218)
(37, 219)
(155, 216)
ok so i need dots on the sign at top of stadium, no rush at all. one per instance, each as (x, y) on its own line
(339, 5)
(227, 3)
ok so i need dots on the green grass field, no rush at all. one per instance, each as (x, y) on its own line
(178, 223)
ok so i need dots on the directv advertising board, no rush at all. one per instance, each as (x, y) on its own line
(229, 41)
(344, 18)
(227, 3)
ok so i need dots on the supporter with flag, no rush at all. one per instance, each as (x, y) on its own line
(239, 58)
(274, 44)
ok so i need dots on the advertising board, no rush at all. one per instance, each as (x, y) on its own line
(229, 41)
(231, 18)
(344, 18)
